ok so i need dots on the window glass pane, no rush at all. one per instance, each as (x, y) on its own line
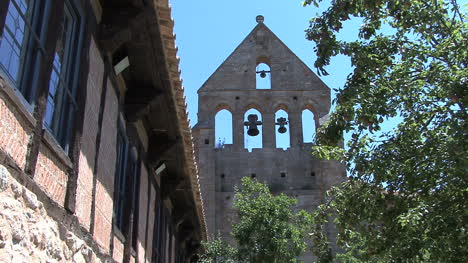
(13, 39)
(120, 180)
(58, 78)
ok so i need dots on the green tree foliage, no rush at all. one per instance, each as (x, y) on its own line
(269, 230)
(407, 197)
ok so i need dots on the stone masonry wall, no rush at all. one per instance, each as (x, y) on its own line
(29, 234)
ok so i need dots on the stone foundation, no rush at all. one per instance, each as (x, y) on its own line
(29, 234)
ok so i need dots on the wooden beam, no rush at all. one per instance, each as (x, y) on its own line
(120, 24)
(45, 61)
(3, 14)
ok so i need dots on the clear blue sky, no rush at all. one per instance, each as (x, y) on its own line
(208, 31)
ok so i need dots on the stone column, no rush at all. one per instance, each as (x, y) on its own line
(268, 129)
(238, 130)
(295, 129)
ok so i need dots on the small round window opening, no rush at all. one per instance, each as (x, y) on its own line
(222, 175)
(253, 175)
(283, 175)
(312, 174)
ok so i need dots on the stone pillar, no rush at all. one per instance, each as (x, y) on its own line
(238, 130)
(268, 129)
(295, 129)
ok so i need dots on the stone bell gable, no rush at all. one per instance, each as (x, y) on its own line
(292, 81)
(238, 87)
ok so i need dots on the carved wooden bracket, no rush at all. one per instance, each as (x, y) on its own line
(159, 143)
(120, 24)
(169, 185)
(138, 99)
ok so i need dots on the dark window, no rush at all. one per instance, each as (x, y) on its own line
(253, 175)
(126, 174)
(312, 173)
(61, 103)
(22, 51)
(207, 141)
(283, 174)
(136, 204)
(161, 231)
(19, 37)
(119, 181)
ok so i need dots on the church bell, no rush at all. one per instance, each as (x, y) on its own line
(252, 125)
(282, 122)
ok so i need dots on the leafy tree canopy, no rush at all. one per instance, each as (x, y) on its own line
(407, 197)
(269, 230)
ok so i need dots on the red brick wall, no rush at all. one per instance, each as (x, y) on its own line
(88, 140)
(14, 132)
(51, 174)
(106, 169)
(118, 250)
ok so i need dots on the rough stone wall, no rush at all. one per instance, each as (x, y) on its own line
(29, 234)
(294, 88)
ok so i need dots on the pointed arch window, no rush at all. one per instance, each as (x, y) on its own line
(282, 130)
(308, 126)
(263, 76)
(253, 141)
(223, 128)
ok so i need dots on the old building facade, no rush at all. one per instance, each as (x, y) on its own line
(236, 87)
(96, 154)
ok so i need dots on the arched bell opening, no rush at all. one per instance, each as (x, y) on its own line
(253, 129)
(223, 128)
(308, 126)
(263, 76)
(283, 138)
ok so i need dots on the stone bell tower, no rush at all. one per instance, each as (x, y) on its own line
(233, 87)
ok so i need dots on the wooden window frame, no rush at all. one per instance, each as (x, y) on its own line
(33, 72)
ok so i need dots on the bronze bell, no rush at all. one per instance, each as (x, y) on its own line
(252, 125)
(253, 131)
(282, 122)
(263, 73)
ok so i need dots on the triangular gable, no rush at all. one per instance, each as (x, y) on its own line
(262, 42)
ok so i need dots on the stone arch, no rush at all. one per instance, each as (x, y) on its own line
(309, 105)
(280, 106)
(222, 106)
(263, 59)
(252, 105)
